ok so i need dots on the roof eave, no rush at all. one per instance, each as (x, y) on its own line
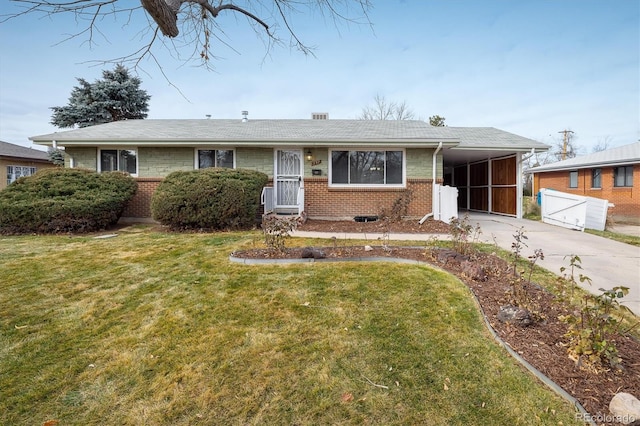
(21, 158)
(501, 148)
(587, 166)
(409, 143)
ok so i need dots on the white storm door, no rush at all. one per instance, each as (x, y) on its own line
(288, 173)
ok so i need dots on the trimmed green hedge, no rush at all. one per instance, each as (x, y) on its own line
(64, 200)
(212, 198)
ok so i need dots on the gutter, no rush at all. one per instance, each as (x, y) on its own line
(263, 143)
(433, 183)
(601, 164)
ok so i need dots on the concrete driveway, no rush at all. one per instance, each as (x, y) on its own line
(608, 263)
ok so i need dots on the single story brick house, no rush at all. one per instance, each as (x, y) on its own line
(331, 169)
(18, 161)
(609, 175)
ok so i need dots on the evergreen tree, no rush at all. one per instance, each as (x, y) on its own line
(56, 156)
(437, 121)
(116, 97)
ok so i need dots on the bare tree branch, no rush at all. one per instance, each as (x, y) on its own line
(195, 20)
(383, 110)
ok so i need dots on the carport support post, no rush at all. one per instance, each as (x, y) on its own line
(490, 185)
(519, 193)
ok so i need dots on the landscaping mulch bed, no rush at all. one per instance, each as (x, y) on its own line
(376, 227)
(542, 343)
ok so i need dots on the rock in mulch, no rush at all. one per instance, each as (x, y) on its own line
(625, 407)
(514, 315)
(450, 256)
(312, 253)
(473, 270)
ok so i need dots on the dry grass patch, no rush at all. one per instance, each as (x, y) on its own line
(156, 328)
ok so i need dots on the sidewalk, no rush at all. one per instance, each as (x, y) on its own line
(608, 263)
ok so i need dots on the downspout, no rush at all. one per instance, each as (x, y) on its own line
(433, 183)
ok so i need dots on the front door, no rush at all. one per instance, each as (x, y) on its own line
(288, 179)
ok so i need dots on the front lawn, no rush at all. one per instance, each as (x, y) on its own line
(158, 328)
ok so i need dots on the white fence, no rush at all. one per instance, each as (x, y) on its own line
(573, 211)
(300, 200)
(445, 203)
(266, 199)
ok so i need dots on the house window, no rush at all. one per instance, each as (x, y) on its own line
(15, 172)
(623, 176)
(214, 158)
(367, 168)
(573, 179)
(124, 160)
(596, 178)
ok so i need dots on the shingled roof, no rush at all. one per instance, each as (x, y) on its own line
(22, 152)
(620, 156)
(270, 132)
(249, 131)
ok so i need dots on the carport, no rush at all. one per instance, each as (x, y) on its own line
(486, 167)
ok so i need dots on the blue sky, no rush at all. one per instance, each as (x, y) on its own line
(530, 67)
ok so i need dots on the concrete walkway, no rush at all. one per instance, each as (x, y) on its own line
(608, 263)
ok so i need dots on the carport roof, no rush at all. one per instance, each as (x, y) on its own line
(480, 143)
(620, 156)
(491, 138)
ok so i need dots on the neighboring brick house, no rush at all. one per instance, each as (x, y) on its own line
(613, 175)
(17, 161)
(326, 168)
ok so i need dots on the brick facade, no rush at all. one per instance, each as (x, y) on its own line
(320, 200)
(626, 199)
(140, 205)
(324, 202)
(5, 161)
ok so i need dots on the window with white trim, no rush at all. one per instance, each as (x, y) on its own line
(124, 160)
(214, 158)
(367, 168)
(15, 172)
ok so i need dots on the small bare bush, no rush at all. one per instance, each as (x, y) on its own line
(277, 230)
(463, 235)
(398, 209)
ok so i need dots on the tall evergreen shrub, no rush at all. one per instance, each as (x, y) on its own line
(212, 198)
(64, 200)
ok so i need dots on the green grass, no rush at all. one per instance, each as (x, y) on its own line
(623, 238)
(161, 329)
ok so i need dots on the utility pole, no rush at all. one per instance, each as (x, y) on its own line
(565, 142)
